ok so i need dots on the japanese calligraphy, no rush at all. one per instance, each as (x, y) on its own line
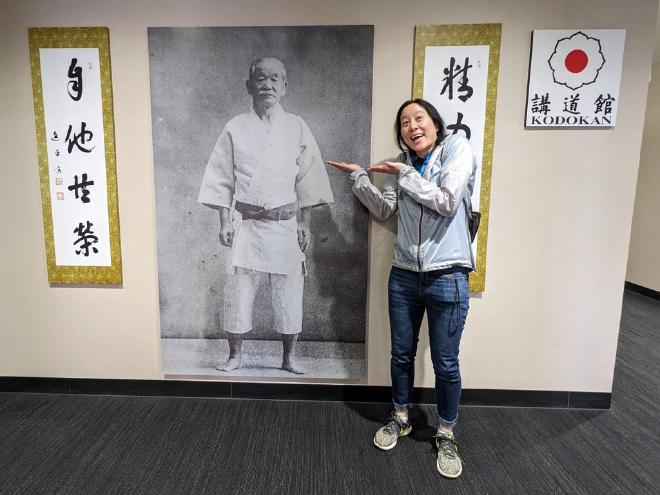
(82, 186)
(86, 237)
(79, 139)
(75, 85)
(460, 126)
(80, 212)
(452, 72)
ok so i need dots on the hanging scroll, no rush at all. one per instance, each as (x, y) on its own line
(456, 69)
(72, 91)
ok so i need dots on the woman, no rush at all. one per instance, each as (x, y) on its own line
(432, 258)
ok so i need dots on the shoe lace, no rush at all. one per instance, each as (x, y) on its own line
(447, 445)
(394, 424)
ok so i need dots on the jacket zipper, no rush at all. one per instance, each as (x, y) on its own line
(419, 243)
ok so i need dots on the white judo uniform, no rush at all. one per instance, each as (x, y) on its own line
(269, 168)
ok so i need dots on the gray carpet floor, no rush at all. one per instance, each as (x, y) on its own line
(76, 444)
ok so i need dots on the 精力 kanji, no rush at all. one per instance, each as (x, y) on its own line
(460, 126)
(452, 72)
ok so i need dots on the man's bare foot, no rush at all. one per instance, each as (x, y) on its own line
(231, 364)
(292, 367)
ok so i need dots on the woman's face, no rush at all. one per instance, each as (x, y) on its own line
(418, 130)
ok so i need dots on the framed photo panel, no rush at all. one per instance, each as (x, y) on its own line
(257, 238)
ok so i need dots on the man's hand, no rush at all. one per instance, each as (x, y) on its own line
(343, 166)
(303, 238)
(226, 228)
(387, 168)
(303, 229)
(227, 235)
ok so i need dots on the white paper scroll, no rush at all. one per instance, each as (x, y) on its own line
(76, 155)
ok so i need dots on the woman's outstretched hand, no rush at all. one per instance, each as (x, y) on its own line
(387, 168)
(343, 166)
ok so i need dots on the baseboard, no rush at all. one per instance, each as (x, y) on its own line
(296, 391)
(645, 291)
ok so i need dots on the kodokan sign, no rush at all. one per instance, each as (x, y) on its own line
(574, 78)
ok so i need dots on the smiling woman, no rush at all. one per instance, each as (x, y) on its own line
(417, 128)
(432, 258)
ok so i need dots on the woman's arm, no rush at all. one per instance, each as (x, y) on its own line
(458, 165)
(381, 204)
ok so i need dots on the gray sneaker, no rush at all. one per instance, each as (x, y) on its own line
(388, 434)
(449, 463)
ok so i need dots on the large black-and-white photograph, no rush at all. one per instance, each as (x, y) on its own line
(262, 248)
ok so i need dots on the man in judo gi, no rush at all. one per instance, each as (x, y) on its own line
(265, 173)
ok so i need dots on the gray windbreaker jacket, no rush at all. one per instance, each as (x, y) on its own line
(432, 209)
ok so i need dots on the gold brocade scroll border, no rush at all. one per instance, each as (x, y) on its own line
(457, 35)
(77, 37)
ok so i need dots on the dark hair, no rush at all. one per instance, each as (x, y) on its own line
(433, 113)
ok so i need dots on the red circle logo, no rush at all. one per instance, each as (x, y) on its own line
(576, 61)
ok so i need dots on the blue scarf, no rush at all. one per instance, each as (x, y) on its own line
(421, 163)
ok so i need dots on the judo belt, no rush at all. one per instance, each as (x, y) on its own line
(252, 212)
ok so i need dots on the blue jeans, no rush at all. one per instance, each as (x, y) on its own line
(444, 294)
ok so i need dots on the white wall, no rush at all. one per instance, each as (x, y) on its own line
(560, 213)
(644, 256)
